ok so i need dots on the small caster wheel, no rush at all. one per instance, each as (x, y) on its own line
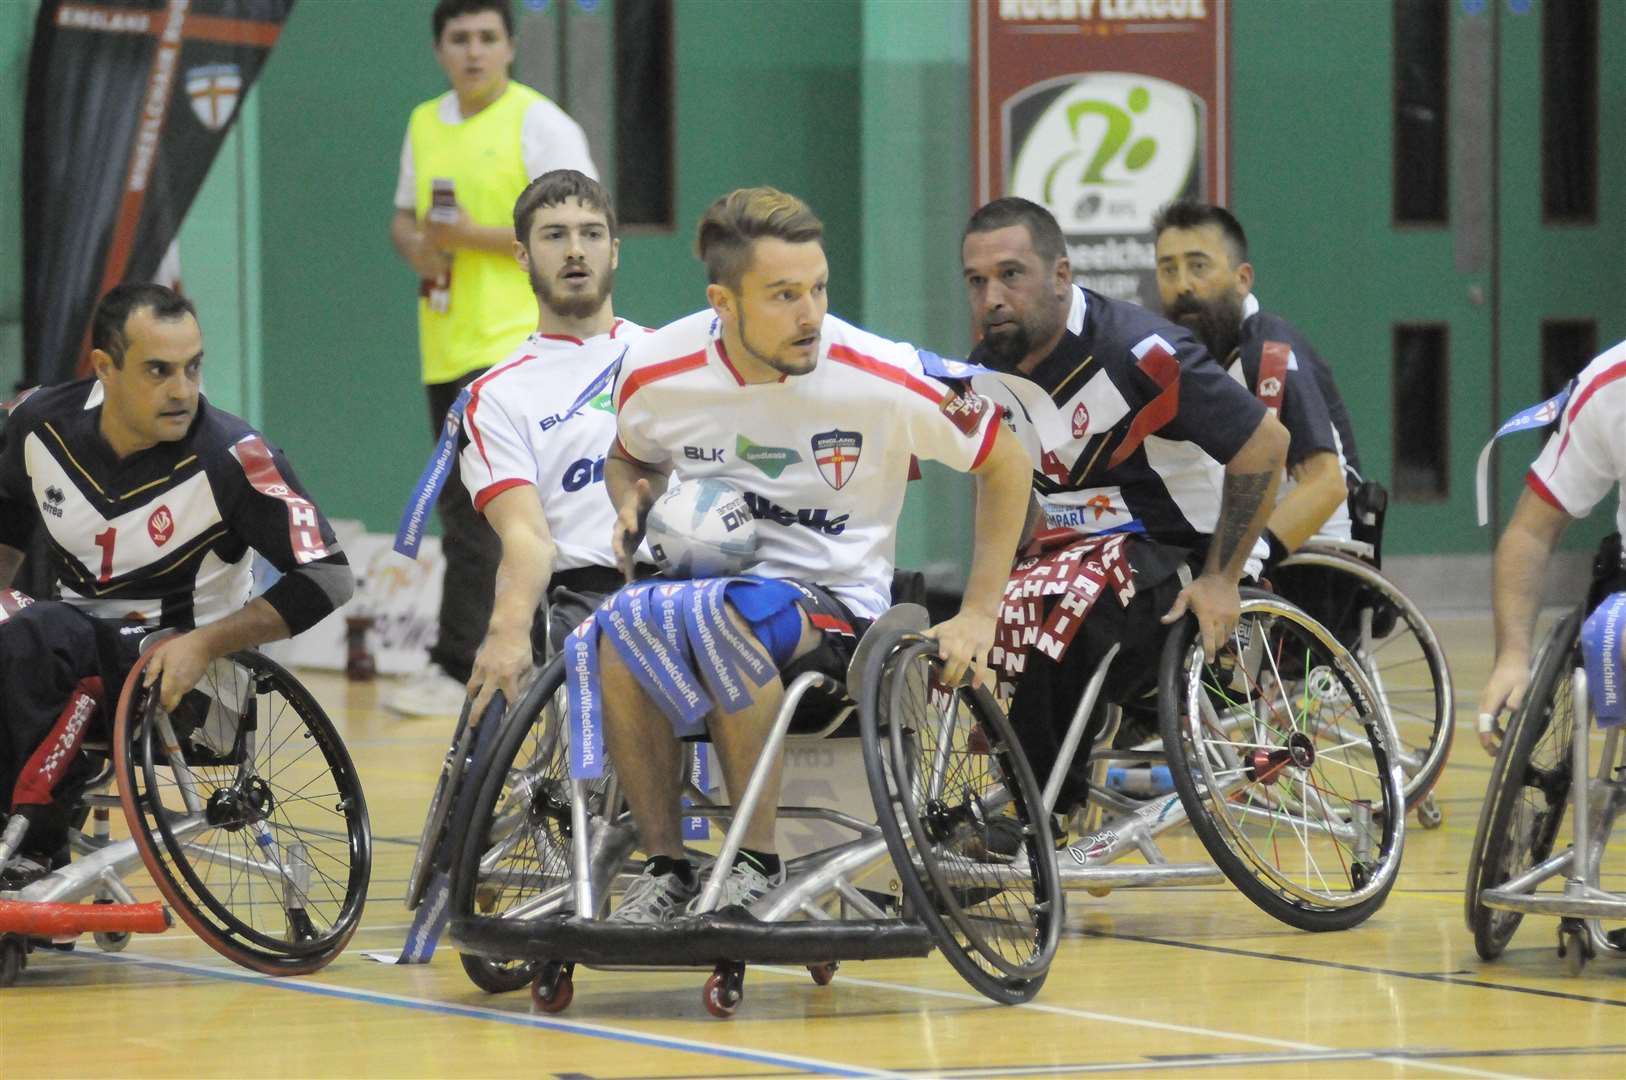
(553, 989)
(1429, 814)
(725, 990)
(13, 958)
(1098, 891)
(1573, 946)
(112, 942)
(823, 974)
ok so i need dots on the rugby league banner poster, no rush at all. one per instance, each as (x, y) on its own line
(1101, 111)
(128, 103)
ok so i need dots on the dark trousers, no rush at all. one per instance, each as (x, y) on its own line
(45, 650)
(1048, 691)
(471, 550)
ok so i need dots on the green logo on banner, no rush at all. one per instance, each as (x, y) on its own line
(602, 403)
(772, 460)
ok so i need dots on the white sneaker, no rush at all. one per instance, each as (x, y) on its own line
(745, 885)
(431, 692)
(653, 898)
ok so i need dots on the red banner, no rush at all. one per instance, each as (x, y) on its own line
(1102, 111)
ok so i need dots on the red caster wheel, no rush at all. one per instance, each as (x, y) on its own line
(823, 974)
(553, 989)
(725, 990)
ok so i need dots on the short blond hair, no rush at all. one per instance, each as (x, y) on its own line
(732, 223)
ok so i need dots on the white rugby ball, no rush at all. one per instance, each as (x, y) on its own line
(702, 528)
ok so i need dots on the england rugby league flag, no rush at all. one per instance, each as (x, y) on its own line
(128, 103)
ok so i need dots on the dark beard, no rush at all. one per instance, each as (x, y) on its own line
(572, 307)
(1009, 347)
(1218, 323)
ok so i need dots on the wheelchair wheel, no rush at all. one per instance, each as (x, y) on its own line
(1282, 758)
(247, 810)
(962, 816)
(513, 840)
(440, 808)
(1395, 646)
(1529, 788)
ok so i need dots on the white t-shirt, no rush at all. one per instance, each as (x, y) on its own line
(519, 433)
(823, 458)
(549, 139)
(1586, 456)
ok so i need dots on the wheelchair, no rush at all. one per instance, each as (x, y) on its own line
(1341, 584)
(1282, 756)
(959, 855)
(1545, 750)
(243, 805)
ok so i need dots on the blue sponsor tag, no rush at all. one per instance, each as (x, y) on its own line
(698, 828)
(1536, 416)
(939, 367)
(584, 709)
(596, 387)
(409, 534)
(1601, 652)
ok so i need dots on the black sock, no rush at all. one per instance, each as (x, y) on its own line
(766, 861)
(665, 864)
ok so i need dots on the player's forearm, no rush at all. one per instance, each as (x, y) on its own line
(255, 623)
(621, 476)
(404, 235)
(498, 239)
(1004, 485)
(1519, 572)
(1246, 498)
(1318, 491)
(11, 560)
(523, 573)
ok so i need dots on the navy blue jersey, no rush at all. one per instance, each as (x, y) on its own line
(1152, 418)
(1312, 409)
(164, 536)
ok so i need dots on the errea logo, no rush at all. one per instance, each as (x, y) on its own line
(53, 501)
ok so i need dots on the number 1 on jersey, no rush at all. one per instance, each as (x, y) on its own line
(105, 542)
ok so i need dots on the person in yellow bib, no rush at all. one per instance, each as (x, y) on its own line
(466, 157)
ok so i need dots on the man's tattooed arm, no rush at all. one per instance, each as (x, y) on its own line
(1247, 497)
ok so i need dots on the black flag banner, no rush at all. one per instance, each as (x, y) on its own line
(128, 103)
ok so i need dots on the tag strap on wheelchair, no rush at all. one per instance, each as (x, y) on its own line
(409, 534)
(1078, 574)
(1602, 653)
(679, 643)
(1536, 416)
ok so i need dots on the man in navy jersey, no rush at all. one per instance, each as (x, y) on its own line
(153, 503)
(1205, 281)
(1149, 499)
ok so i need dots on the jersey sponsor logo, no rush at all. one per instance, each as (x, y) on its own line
(964, 411)
(161, 526)
(581, 472)
(304, 530)
(1269, 388)
(772, 460)
(1081, 421)
(817, 517)
(703, 453)
(836, 454)
(53, 501)
(1097, 511)
(601, 403)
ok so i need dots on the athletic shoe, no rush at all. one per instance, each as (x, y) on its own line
(1000, 840)
(653, 898)
(745, 885)
(431, 692)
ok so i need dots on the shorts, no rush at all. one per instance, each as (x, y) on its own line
(839, 630)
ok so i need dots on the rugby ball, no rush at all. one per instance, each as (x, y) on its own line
(702, 528)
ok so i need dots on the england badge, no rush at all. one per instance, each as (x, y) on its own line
(836, 454)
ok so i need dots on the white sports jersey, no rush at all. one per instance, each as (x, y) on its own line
(823, 458)
(519, 433)
(1586, 456)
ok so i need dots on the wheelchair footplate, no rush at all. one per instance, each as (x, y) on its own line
(25, 924)
(728, 939)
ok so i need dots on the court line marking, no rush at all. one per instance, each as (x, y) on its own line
(1132, 1021)
(475, 1012)
(1423, 976)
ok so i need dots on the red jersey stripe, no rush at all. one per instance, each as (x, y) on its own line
(1609, 375)
(491, 491)
(1533, 482)
(830, 622)
(474, 402)
(845, 354)
(656, 372)
(988, 438)
(304, 533)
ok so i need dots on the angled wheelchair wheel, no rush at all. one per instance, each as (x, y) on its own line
(1284, 762)
(512, 854)
(1529, 788)
(447, 786)
(248, 812)
(1395, 646)
(962, 816)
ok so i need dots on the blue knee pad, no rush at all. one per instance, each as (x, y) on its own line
(771, 609)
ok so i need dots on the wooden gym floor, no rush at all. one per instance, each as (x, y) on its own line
(1150, 982)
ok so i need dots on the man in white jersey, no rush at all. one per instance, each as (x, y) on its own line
(1582, 461)
(816, 420)
(534, 468)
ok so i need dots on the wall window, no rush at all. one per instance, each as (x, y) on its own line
(1421, 45)
(1569, 111)
(643, 113)
(1421, 429)
(1567, 346)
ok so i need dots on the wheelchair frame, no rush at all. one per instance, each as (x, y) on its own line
(1595, 802)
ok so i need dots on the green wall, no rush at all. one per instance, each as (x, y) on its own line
(16, 30)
